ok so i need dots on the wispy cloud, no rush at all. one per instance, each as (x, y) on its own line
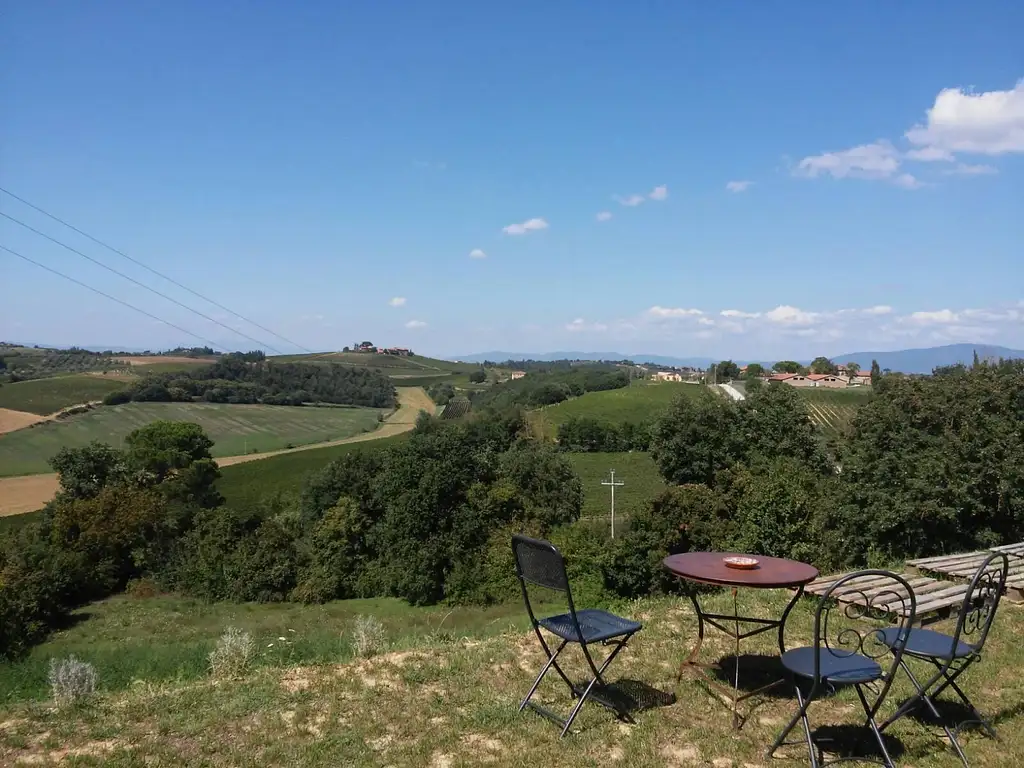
(787, 315)
(936, 316)
(738, 186)
(738, 313)
(579, 324)
(397, 301)
(657, 311)
(476, 253)
(659, 193)
(966, 169)
(416, 324)
(631, 201)
(530, 225)
(603, 216)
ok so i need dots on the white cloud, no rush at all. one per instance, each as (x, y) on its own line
(630, 202)
(966, 169)
(881, 309)
(657, 311)
(878, 160)
(737, 313)
(930, 155)
(738, 186)
(398, 301)
(787, 315)
(530, 225)
(579, 324)
(603, 216)
(907, 181)
(476, 253)
(988, 123)
(940, 316)
(416, 324)
(659, 193)
(707, 321)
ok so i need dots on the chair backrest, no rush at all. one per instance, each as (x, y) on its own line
(981, 601)
(853, 614)
(540, 563)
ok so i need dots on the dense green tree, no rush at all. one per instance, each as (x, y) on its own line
(728, 370)
(754, 371)
(822, 365)
(479, 376)
(936, 464)
(774, 422)
(84, 472)
(695, 438)
(852, 369)
(876, 374)
(787, 366)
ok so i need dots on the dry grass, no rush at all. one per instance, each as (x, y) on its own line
(454, 704)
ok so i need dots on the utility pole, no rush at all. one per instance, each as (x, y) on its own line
(613, 485)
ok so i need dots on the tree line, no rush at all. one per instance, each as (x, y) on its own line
(547, 387)
(243, 378)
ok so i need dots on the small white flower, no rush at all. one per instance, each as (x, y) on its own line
(282, 638)
(270, 645)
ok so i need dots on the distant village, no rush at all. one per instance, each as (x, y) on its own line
(370, 348)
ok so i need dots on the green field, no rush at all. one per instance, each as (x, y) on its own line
(167, 639)
(178, 366)
(833, 409)
(641, 401)
(235, 429)
(283, 476)
(46, 396)
(637, 470)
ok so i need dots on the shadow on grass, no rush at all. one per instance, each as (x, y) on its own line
(852, 742)
(756, 672)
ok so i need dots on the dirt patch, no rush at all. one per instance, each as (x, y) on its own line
(28, 493)
(12, 420)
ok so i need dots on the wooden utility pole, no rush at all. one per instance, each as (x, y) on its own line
(613, 485)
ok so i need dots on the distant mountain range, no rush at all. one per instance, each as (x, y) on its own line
(903, 360)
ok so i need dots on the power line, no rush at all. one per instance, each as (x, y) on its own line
(138, 283)
(112, 298)
(150, 269)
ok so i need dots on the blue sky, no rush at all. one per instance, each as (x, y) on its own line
(778, 184)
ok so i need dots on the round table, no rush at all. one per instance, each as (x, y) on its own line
(770, 573)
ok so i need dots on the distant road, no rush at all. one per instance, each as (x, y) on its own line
(28, 493)
(732, 392)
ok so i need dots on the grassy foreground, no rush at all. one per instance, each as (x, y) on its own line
(46, 396)
(443, 700)
(235, 429)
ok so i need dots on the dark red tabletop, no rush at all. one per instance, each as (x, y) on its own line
(770, 573)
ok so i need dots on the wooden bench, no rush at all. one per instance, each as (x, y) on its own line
(963, 567)
(935, 598)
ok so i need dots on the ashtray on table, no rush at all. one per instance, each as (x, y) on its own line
(740, 563)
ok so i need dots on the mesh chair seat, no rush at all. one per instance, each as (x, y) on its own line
(837, 667)
(929, 644)
(596, 625)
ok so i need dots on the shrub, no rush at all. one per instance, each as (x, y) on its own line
(71, 681)
(118, 397)
(368, 638)
(233, 654)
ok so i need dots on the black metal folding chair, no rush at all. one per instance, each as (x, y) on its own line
(847, 650)
(951, 655)
(539, 563)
